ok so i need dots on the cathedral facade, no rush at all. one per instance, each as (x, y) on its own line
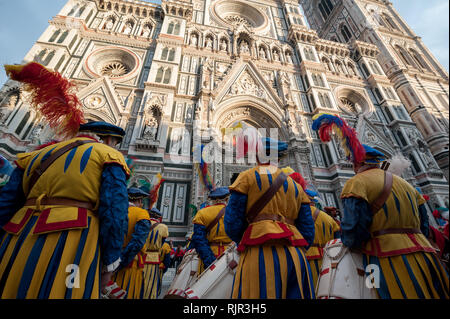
(174, 75)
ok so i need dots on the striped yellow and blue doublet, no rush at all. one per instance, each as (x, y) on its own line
(152, 273)
(408, 264)
(325, 228)
(217, 237)
(44, 246)
(273, 259)
(131, 277)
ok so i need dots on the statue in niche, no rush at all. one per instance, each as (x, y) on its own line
(128, 28)
(209, 43)
(244, 48)
(289, 57)
(189, 114)
(262, 53)
(179, 112)
(194, 39)
(109, 24)
(276, 56)
(186, 143)
(176, 140)
(151, 128)
(223, 45)
(147, 30)
(183, 85)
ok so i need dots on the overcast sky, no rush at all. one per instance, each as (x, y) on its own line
(23, 21)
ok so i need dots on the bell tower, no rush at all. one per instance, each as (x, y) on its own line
(419, 80)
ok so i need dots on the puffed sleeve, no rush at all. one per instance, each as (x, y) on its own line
(305, 224)
(355, 222)
(113, 214)
(138, 239)
(12, 197)
(235, 222)
(201, 245)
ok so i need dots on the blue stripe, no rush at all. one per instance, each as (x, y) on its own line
(412, 206)
(30, 267)
(90, 278)
(385, 210)
(307, 279)
(156, 236)
(435, 277)
(47, 282)
(399, 284)
(323, 229)
(31, 164)
(69, 158)
(240, 285)
(285, 185)
(397, 202)
(413, 278)
(151, 236)
(383, 291)
(17, 247)
(5, 244)
(292, 289)
(269, 176)
(232, 286)
(262, 275)
(79, 253)
(430, 291)
(258, 179)
(218, 226)
(85, 159)
(296, 190)
(276, 267)
(47, 155)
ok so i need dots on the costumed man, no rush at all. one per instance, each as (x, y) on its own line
(65, 204)
(326, 228)
(130, 276)
(385, 218)
(274, 234)
(164, 257)
(155, 241)
(209, 238)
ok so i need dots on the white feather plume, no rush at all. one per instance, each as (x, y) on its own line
(398, 164)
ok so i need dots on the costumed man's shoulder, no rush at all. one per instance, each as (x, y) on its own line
(357, 186)
(111, 155)
(138, 213)
(204, 215)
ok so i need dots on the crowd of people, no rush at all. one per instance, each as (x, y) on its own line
(67, 206)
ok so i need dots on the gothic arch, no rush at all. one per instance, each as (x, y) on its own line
(257, 112)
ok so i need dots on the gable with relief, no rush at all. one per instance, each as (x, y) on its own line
(101, 101)
(371, 135)
(246, 80)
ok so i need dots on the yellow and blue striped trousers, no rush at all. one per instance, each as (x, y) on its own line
(273, 272)
(34, 266)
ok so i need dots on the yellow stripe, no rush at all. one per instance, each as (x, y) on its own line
(237, 276)
(394, 289)
(70, 247)
(7, 255)
(270, 273)
(87, 257)
(420, 259)
(443, 281)
(46, 254)
(254, 271)
(314, 271)
(298, 269)
(16, 272)
(283, 269)
(402, 274)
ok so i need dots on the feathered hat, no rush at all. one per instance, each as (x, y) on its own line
(328, 123)
(295, 176)
(51, 95)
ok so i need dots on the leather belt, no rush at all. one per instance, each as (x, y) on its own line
(60, 201)
(153, 251)
(277, 218)
(396, 231)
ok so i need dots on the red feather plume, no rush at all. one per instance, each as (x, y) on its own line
(299, 179)
(153, 194)
(50, 94)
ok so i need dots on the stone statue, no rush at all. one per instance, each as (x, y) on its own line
(289, 57)
(151, 128)
(262, 53)
(194, 39)
(146, 31)
(209, 43)
(223, 45)
(276, 56)
(244, 47)
(128, 28)
(109, 24)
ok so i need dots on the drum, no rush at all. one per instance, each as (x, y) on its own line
(185, 275)
(342, 275)
(216, 282)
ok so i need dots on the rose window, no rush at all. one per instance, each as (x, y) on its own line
(114, 69)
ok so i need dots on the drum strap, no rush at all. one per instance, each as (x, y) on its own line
(216, 220)
(379, 202)
(266, 197)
